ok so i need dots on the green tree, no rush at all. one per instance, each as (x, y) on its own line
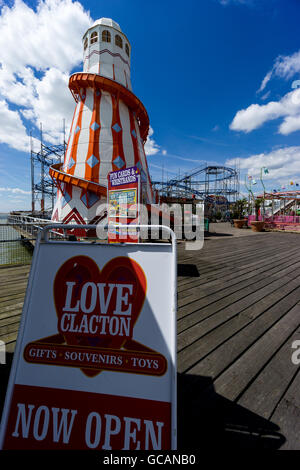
(240, 208)
(257, 205)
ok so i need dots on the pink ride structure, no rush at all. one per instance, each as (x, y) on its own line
(284, 218)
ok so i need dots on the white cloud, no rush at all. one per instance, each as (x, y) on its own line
(27, 36)
(265, 95)
(290, 124)
(287, 108)
(17, 88)
(253, 117)
(236, 2)
(287, 66)
(284, 67)
(151, 147)
(14, 190)
(38, 49)
(12, 130)
(282, 163)
(165, 170)
(53, 103)
(186, 159)
(266, 80)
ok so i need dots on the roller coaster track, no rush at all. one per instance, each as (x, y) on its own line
(187, 184)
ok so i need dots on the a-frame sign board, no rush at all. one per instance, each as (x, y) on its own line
(95, 361)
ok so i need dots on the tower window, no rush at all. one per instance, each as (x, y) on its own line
(85, 44)
(118, 41)
(106, 37)
(127, 49)
(94, 37)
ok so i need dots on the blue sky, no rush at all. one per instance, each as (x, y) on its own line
(218, 79)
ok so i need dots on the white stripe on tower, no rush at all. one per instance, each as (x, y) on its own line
(84, 136)
(119, 68)
(107, 70)
(143, 160)
(71, 138)
(129, 80)
(126, 137)
(105, 138)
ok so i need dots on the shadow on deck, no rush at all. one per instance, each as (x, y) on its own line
(206, 420)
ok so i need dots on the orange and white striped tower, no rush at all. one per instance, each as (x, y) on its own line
(109, 128)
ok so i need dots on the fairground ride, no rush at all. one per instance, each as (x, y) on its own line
(283, 202)
(217, 186)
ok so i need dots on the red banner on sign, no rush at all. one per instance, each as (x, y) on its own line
(117, 360)
(48, 418)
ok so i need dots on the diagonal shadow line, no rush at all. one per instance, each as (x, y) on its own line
(206, 420)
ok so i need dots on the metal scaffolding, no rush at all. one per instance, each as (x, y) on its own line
(216, 185)
(43, 189)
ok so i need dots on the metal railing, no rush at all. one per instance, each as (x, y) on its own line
(14, 248)
(292, 219)
(19, 233)
(18, 236)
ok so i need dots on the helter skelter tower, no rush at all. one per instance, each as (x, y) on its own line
(109, 128)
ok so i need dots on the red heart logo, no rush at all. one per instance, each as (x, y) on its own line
(98, 308)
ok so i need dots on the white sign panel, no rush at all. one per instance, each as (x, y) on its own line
(95, 362)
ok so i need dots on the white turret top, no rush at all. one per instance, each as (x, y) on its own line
(108, 22)
(107, 51)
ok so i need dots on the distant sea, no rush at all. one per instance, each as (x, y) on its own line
(11, 250)
(3, 218)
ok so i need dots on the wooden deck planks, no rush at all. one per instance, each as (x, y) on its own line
(217, 271)
(224, 289)
(13, 282)
(234, 381)
(243, 269)
(228, 342)
(227, 307)
(238, 314)
(287, 415)
(270, 385)
(244, 346)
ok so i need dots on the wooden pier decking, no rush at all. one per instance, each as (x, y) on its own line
(238, 315)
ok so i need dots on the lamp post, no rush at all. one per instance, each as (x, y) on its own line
(249, 188)
(266, 171)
